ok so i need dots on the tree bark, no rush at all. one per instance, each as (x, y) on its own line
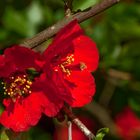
(80, 16)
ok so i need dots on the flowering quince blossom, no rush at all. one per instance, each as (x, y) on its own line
(69, 59)
(128, 124)
(63, 77)
(23, 103)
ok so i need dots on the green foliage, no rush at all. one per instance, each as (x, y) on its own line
(101, 133)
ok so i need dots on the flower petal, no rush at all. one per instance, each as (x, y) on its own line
(68, 33)
(51, 108)
(128, 124)
(62, 43)
(71, 39)
(6, 67)
(85, 51)
(22, 57)
(51, 101)
(22, 114)
(82, 87)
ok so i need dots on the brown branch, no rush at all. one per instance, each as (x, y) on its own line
(80, 16)
(107, 93)
(119, 74)
(78, 123)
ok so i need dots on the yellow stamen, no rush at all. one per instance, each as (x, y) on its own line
(69, 60)
(18, 86)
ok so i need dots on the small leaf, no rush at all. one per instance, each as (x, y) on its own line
(101, 133)
(3, 136)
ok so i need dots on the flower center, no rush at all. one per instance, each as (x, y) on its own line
(66, 67)
(67, 61)
(17, 86)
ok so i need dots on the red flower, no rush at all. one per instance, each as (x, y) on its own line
(23, 103)
(68, 63)
(66, 77)
(128, 124)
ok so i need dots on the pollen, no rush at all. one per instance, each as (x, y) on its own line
(67, 61)
(17, 86)
(82, 66)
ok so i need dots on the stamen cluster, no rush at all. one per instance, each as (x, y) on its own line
(17, 86)
(69, 60)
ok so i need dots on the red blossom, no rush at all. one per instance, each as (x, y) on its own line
(128, 124)
(69, 60)
(23, 102)
(64, 77)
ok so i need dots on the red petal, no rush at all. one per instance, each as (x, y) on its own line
(6, 67)
(82, 87)
(128, 124)
(71, 39)
(51, 108)
(1, 60)
(22, 114)
(85, 51)
(69, 32)
(22, 57)
(61, 86)
(54, 86)
(62, 43)
(50, 99)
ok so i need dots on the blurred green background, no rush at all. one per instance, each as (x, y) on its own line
(117, 34)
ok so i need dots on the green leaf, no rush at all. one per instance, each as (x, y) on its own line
(3, 136)
(101, 133)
